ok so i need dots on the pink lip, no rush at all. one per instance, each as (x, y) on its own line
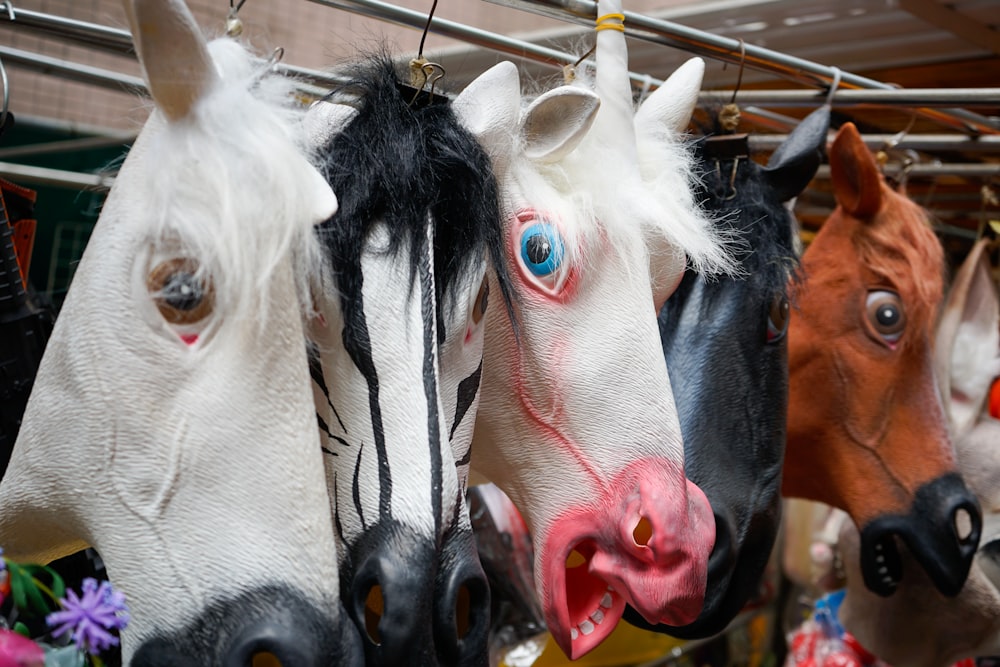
(644, 540)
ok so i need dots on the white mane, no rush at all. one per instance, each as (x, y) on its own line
(589, 196)
(244, 136)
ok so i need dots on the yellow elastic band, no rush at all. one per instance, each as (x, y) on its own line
(602, 22)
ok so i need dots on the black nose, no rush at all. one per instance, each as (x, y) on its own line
(417, 604)
(267, 627)
(942, 531)
(462, 603)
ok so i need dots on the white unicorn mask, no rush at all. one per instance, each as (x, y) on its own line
(172, 424)
(576, 420)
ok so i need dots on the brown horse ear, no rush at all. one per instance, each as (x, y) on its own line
(857, 183)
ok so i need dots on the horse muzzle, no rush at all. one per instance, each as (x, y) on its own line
(272, 625)
(941, 530)
(415, 603)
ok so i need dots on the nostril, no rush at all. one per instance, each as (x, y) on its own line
(374, 608)
(265, 659)
(963, 525)
(575, 559)
(463, 611)
(642, 533)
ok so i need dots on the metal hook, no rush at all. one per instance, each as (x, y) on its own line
(732, 178)
(9, 6)
(732, 181)
(834, 85)
(234, 25)
(6, 97)
(882, 156)
(427, 70)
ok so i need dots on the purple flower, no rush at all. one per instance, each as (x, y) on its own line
(91, 617)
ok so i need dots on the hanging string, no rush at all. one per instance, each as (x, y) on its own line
(569, 71)
(422, 71)
(729, 117)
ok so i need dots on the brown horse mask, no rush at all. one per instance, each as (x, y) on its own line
(918, 627)
(866, 431)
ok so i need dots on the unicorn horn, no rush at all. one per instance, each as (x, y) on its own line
(614, 120)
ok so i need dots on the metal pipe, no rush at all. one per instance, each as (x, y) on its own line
(27, 174)
(582, 12)
(91, 34)
(402, 16)
(918, 142)
(916, 170)
(907, 97)
(67, 146)
(74, 71)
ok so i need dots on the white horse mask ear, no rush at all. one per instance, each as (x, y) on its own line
(325, 120)
(967, 355)
(670, 106)
(490, 108)
(182, 71)
(556, 122)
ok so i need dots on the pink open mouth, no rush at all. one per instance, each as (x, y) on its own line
(645, 542)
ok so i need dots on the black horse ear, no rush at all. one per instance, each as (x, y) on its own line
(796, 160)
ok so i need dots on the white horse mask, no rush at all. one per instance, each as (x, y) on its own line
(172, 424)
(576, 421)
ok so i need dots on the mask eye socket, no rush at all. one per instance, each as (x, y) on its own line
(885, 314)
(777, 319)
(181, 292)
(542, 249)
(482, 301)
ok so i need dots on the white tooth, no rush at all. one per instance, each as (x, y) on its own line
(586, 627)
(597, 616)
(573, 634)
(606, 601)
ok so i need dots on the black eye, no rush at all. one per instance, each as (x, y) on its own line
(539, 249)
(885, 313)
(777, 319)
(542, 249)
(181, 295)
(482, 300)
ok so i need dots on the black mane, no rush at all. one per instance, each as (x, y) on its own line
(397, 163)
(747, 206)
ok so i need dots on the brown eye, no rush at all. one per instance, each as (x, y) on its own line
(884, 310)
(482, 300)
(179, 292)
(777, 319)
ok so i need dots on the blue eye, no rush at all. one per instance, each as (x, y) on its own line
(542, 249)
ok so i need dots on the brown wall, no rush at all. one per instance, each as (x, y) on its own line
(312, 35)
